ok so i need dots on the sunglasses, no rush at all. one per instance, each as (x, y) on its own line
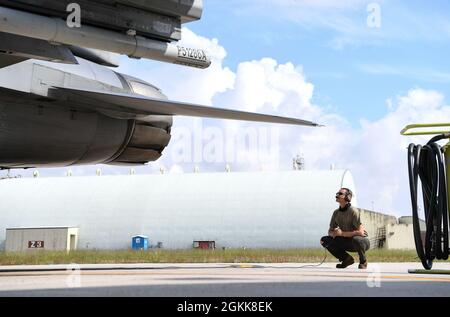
(340, 194)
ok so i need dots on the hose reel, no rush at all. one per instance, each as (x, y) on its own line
(430, 163)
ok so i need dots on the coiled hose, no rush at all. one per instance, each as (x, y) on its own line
(427, 162)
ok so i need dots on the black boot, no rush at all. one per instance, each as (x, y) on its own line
(348, 261)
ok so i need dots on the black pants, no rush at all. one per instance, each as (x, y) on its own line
(339, 245)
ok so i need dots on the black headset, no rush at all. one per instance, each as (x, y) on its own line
(348, 193)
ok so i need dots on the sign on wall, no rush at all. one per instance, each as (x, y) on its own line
(35, 244)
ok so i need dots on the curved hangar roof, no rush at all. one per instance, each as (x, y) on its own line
(251, 209)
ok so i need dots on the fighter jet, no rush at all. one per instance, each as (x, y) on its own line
(60, 103)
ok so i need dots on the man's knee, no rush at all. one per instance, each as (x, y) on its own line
(361, 243)
(325, 241)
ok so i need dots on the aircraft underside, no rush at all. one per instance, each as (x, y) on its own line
(40, 135)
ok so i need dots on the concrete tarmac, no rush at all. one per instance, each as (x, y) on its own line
(222, 280)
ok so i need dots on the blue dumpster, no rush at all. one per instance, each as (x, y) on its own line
(139, 242)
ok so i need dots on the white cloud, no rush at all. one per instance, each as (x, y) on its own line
(267, 84)
(379, 161)
(375, 152)
(186, 83)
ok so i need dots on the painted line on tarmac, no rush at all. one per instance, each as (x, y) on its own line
(356, 275)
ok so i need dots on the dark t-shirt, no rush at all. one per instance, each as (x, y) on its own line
(347, 220)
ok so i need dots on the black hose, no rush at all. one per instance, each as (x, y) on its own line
(427, 163)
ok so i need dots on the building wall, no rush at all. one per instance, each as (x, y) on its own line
(409, 221)
(289, 209)
(36, 239)
(72, 245)
(400, 236)
(375, 225)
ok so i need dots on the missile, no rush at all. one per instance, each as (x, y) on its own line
(56, 31)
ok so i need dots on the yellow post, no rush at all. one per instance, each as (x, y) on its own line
(420, 128)
(447, 168)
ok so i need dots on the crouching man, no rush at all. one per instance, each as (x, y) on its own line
(346, 233)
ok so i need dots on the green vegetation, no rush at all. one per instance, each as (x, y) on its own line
(194, 256)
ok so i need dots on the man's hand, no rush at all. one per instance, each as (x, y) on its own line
(337, 232)
(359, 232)
(351, 234)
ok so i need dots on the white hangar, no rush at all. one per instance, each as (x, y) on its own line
(289, 209)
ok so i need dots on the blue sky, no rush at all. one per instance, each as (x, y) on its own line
(320, 60)
(354, 68)
(324, 61)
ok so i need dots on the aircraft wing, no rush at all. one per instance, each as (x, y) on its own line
(142, 105)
